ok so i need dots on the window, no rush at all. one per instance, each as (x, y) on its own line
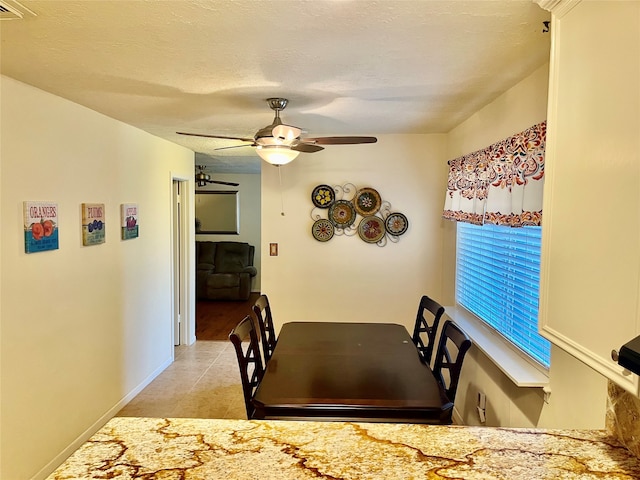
(497, 279)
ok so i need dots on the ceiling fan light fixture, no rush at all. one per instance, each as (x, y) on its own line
(285, 133)
(276, 154)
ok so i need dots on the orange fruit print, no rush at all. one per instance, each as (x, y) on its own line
(37, 230)
(48, 227)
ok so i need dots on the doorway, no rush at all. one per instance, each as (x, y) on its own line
(182, 318)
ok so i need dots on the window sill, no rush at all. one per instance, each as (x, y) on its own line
(515, 366)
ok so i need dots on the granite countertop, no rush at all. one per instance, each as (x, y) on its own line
(155, 448)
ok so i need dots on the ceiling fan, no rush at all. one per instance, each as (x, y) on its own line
(203, 178)
(279, 143)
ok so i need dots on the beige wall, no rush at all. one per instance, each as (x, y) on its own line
(346, 278)
(578, 394)
(81, 327)
(250, 193)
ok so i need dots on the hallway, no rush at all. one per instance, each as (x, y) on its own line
(202, 382)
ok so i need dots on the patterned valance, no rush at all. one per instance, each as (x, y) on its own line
(501, 184)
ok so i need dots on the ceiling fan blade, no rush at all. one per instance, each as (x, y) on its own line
(235, 146)
(340, 140)
(223, 183)
(306, 147)
(216, 136)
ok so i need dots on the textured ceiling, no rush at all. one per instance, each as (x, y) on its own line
(348, 67)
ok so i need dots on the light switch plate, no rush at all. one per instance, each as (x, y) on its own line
(482, 415)
(482, 400)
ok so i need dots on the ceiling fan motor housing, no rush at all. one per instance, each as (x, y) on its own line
(264, 136)
(277, 103)
(202, 178)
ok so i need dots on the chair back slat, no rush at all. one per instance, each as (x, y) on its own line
(426, 326)
(452, 348)
(262, 312)
(249, 360)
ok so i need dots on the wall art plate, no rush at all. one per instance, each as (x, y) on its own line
(342, 213)
(322, 230)
(323, 196)
(367, 201)
(396, 224)
(371, 229)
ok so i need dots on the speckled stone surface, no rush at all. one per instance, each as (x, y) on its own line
(156, 448)
(623, 417)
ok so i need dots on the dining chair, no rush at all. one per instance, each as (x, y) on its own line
(426, 326)
(262, 311)
(452, 348)
(249, 360)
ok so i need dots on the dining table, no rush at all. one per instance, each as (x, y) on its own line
(349, 372)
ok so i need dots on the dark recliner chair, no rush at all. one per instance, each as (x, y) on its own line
(224, 270)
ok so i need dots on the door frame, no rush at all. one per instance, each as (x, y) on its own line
(183, 257)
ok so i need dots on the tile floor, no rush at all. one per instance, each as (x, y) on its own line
(202, 382)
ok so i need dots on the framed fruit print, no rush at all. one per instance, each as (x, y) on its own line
(129, 221)
(40, 226)
(93, 223)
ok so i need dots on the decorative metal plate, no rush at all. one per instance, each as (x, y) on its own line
(323, 196)
(367, 201)
(342, 214)
(396, 224)
(371, 229)
(322, 230)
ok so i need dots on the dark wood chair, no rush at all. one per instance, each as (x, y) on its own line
(424, 332)
(262, 311)
(249, 360)
(452, 348)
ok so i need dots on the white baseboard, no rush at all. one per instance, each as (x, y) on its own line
(98, 424)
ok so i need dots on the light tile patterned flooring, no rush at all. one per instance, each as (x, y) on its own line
(202, 382)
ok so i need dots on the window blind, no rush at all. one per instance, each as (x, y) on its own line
(497, 279)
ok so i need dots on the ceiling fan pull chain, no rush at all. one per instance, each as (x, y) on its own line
(281, 194)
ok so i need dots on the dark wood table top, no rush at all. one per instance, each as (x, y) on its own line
(348, 371)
